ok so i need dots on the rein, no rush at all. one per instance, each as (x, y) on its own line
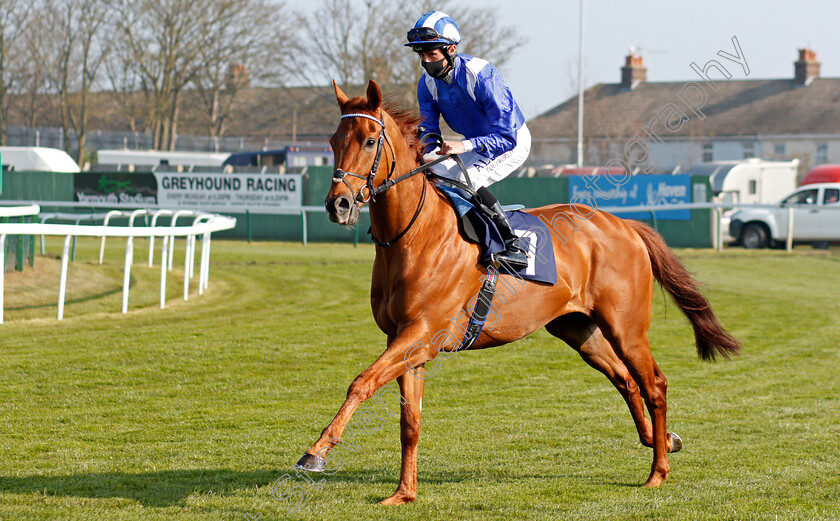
(339, 176)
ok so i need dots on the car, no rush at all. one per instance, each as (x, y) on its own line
(813, 221)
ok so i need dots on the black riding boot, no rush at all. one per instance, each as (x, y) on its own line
(514, 255)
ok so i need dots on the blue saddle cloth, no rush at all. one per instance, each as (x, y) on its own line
(532, 232)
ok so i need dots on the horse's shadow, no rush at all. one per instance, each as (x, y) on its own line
(151, 489)
(170, 488)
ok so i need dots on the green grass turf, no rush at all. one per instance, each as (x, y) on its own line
(194, 412)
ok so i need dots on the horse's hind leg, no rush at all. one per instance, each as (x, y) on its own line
(630, 342)
(583, 335)
(411, 387)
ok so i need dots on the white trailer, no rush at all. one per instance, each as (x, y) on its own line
(37, 159)
(749, 181)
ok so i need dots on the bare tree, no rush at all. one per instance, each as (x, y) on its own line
(34, 67)
(72, 57)
(14, 16)
(163, 39)
(352, 41)
(248, 44)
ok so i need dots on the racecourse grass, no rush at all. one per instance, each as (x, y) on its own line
(196, 411)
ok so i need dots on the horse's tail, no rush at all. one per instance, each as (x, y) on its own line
(710, 336)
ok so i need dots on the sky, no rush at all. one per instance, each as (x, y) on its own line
(669, 35)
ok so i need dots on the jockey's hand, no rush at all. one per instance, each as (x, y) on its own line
(451, 147)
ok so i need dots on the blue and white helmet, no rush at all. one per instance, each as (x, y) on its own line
(433, 30)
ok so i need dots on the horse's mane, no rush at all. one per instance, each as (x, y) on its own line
(407, 120)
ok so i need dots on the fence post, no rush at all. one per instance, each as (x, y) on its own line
(31, 247)
(129, 257)
(62, 282)
(163, 269)
(305, 233)
(187, 268)
(789, 242)
(19, 256)
(248, 224)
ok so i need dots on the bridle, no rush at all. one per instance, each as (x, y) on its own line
(340, 176)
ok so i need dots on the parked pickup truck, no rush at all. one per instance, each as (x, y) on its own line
(812, 222)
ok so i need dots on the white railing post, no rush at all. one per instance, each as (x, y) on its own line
(719, 230)
(152, 237)
(134, 214)
(163, 270)
(196, 221)
(175, 216)
(202, 268)
(789, 243)
(187, 269)
(191, 255)
(62, 282)
(129, 257)
(206, 262)
(108, 216)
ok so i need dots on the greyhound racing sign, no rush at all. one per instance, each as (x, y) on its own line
(229, 192)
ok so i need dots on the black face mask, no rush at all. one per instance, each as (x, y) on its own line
(436, 69)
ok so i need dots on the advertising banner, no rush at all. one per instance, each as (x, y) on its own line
(118, 189)
(639, 190)
(229, 192)
(195, 191)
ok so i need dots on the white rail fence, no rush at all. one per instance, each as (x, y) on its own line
(203, 224)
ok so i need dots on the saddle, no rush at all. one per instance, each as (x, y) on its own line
(479, 229)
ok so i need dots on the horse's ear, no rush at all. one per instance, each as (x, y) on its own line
(374, 95)
(339, 94)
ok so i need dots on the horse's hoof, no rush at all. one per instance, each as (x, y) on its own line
(311, 463)
(676, 442)
(397, 499)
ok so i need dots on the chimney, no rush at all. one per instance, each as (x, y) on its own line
(806, 68)
(633, 72)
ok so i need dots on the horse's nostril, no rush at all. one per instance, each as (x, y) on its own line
(342, 204)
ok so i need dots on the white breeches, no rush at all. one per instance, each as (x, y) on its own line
(484, 171)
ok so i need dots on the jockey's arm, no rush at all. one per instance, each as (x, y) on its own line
(452, 147)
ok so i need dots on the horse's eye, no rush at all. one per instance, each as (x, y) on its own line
(370, 142)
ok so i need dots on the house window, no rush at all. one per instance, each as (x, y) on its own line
(708, 155)
(822, 153)
(779, 150)
(752, 187)
(748, 151)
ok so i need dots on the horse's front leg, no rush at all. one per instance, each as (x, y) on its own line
(411, 387)
(390, 364)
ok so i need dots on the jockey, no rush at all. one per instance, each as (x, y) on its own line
(474, 101)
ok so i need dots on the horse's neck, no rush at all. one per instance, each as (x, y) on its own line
(394, 210)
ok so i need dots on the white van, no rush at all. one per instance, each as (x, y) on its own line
(37, 159)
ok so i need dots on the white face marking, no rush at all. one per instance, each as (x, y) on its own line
(421, 404)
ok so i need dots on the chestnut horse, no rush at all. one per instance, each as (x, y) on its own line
(425, 273)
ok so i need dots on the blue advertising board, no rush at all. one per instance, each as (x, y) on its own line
(639, 190)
